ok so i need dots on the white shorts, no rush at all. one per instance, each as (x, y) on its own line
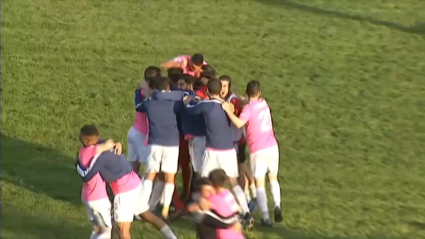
(226, 160)
(129, 204)
(265, 161)
(137, 150)
(163, 158)
(197, 147)
(99, 212)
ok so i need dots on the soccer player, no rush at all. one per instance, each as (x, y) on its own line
(174, 74)
(191, 65)
(163, 139)
(137, 149)
(220, 151)
(125, 183)
(245, 178)
(264, 151)
(94, 194)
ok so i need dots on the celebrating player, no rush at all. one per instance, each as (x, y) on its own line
(125, 183)
(264, 151)
(163, 139)
(220, 151)
(245, 178)
(137, 149)
(191, 65)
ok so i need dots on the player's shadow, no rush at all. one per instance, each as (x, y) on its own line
(417, 28)
(39, 169)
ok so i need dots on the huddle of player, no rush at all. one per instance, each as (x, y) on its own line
(190, 120)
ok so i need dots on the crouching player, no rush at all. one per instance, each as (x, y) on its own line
(125, 184)
(208, 211)
(262, 145)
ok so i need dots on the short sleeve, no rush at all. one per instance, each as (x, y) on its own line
(246, 113)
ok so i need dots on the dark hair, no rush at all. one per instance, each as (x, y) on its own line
(161, 83)
(152, 71)
(218, 178)
(208, 71)
(174, 74)
(226, 78)
(214, 86)
(198, 184)
(197, 59)
(89, 130)
(253, 88)
(190, 80)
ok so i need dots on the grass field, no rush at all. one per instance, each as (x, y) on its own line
(345, 80)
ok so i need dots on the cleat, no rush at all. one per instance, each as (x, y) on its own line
(248, 221)
(266, 223)
(252, 205)
(278, 215)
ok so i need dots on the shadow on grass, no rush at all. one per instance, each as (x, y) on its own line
(418, 28)
(39, 169)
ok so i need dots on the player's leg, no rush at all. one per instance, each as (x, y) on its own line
(229, 163)
(184, 162)
(272, 167)
(99, 212)
(143, 153)
(197, 147)
(169, 166)
(152, 168)
(124, 213)
(132, 153)
(157, 190)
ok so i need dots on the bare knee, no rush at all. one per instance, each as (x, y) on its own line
(260, 182)
(169, 178)
(124, 230)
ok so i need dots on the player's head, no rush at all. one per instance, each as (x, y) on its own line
(208, 71)
(89, 135)
(214, 87)
(196, 61)
(253, 89)
(218, 178)
(204, 187)
(186, 82)
(226, 84)
(162, 83)
(151, 71)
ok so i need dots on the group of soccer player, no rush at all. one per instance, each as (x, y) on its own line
(190, 120)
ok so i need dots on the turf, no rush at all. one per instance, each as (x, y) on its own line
(345, 80)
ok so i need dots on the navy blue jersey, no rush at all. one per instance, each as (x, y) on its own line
(162, 109)
(218, 130)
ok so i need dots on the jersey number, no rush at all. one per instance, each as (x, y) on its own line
(265, 120)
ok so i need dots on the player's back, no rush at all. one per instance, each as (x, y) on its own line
(95, 189)
(218, 126)
(259, 128)
(162, 117)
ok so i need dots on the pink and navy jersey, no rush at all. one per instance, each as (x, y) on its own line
(218, 126)
(162, 109)
(259, 128)
(95, 188)
(141, 121)
(224, 205)
(113, 168)
(184, 60)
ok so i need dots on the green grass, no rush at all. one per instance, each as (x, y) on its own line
(345, 80)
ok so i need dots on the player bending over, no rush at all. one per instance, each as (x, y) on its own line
(191, 65)
(207, 218)
(220, 151)
(137, 148)
(264, 151)
(125, 184)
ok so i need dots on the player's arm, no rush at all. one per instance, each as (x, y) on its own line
(238, 122)
(142, 106)
(199, 108)
(173, 63)
(173, 95)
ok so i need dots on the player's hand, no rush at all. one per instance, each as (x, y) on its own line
(109, 144)
(187, 99)
(237, 227)
(118, 148)
(204, 204)
(228, 107)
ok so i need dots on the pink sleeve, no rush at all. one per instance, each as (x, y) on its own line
(179, 59)
(245, 114)
(86, 154)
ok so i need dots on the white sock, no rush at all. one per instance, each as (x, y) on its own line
(253, 190)
(247, 193)
(167, 233)
(262, 202)
(147, 190)
(275, 188)
(168, 194)
(240, 195)
(158, 187)
(94, 235)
